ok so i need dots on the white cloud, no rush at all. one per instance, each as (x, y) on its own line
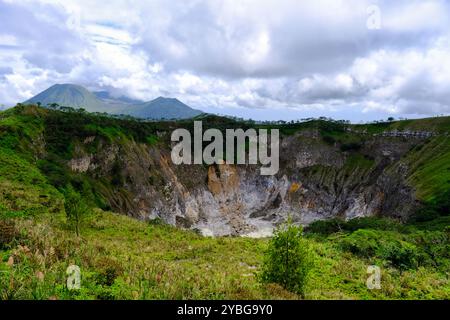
(254, 57)
(416, 16)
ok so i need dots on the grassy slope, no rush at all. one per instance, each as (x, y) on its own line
(430, 166)
(24, 190)
(124, 258)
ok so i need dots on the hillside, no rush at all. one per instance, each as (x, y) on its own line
(75, 96)
(392, 179)
(162, 108)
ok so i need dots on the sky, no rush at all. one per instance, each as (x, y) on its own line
(266, 60)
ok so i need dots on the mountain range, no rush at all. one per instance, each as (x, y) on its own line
(71, 95)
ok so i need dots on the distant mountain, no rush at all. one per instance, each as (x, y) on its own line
(70, 95)
(162, 108)
(106, 96)
(115, 105)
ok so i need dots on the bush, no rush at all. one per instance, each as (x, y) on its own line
(385, 245)
(8, 232)
(400, 254)
(76, 208)
(439, 207)
(109, 270)
(288, 259)
(327, 227)
(363, 243)
(352, 146)
(329, 139)
(434, 248)
(373, 223)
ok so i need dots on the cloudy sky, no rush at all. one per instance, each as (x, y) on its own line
(280, 59)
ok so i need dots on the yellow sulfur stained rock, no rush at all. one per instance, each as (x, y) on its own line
(295, 187)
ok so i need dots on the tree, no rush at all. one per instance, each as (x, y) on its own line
(288, 259)
(76, 208)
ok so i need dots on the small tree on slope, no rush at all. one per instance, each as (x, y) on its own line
(288, 259)
(76, 208)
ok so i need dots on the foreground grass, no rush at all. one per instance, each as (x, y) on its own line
(122, 258)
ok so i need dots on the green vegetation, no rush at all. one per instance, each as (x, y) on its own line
(76, 208)
(123, 258)
(288, 259)
(389, 242)
(358, 161)
(23, 189)
(430, 166)
(152, 139)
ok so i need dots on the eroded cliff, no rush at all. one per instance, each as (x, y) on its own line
(317, 180)
(327, 169)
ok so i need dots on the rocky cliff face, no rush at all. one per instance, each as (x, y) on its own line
(317, 180)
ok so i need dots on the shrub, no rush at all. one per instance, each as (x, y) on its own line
(431, 210)
(326, 227)
(157, 222)
(434, 248)
(362, 242)
(8, 232)
(400, 254)
(109, 270)
(329, 139)
(385, 245)
(288, 259)
(373, 223)
(76, 208)
(352, 146)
